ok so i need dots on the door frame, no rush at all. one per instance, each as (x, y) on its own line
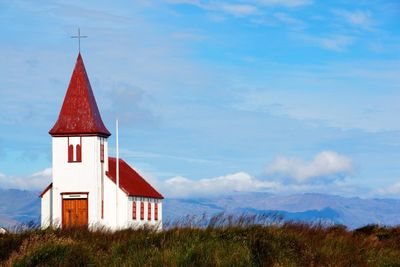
(73, 195)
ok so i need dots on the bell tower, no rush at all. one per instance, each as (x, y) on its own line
(79, 155)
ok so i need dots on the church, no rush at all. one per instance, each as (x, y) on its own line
(89, 188)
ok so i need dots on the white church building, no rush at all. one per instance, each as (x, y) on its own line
(84, 189)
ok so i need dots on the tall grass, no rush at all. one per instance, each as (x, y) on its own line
(219, 241)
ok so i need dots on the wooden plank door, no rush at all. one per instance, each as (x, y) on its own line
(74, 213)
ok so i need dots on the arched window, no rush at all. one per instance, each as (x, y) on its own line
(156, 211)
(142, 210)
(149, 211)
(78, 153)
(70, 153)
(134, 210)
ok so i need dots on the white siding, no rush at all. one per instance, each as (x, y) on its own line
(46, 206)
(82, 176)
(138, 222)
(86, 177)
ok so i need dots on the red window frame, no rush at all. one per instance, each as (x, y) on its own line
(101, 152)
(78, 153)
(142, 210)
(134, 210)
(102, 209)
(156, 211)
(70, 153)
(149, 211)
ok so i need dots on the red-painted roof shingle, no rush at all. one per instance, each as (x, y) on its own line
(130, 181)
(79, 113)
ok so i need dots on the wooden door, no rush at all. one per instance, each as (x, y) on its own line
(74, 213)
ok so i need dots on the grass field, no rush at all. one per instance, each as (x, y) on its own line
(231, 243)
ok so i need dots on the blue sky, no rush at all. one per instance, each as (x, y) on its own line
(286, 96)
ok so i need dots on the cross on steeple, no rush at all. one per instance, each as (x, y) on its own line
(79, 36)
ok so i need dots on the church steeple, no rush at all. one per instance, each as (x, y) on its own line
(79, 113)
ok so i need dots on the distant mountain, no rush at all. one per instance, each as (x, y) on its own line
(352, 212)
(24, 206)
(18, 206)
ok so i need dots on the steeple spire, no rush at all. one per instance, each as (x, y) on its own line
(79, 113)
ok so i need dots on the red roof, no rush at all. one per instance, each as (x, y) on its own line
(130, 181)
(45, 190)
(79, 113)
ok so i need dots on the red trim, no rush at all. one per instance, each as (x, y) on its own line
(141, 210)
(156, 211)
(70, 152)
(102, 152)
(79, 153)
(102, 209)
(45, 190)
(78, 134)
(134, 210)
(149, 211)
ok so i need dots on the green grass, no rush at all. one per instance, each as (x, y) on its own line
(230, 243)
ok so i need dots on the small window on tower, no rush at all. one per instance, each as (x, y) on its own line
(70, 153)
(101, 152)
(134, 210)
(149, 211)
(78, 153)
(142, 210)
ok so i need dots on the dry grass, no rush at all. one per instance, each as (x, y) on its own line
(223, 241)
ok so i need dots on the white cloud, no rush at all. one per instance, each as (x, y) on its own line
(241, 181)
(43, 173)
(393, 189)
(325, 163)
(36, 181)
(238, 10)
(285, 3)
(285, 18)
(244, 8)
(356, 18)
(335, 43)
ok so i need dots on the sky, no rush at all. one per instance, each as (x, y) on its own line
(213, 97)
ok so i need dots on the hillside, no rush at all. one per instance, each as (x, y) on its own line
(23, 206)
(352, 212)
(18, 206)
(241, 244)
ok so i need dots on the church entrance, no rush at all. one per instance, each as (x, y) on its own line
(74, 211)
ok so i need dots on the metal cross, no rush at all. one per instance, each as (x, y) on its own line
(79, 36)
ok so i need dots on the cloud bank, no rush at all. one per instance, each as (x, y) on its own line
(324, 164)
(36, 181)
(324, 173)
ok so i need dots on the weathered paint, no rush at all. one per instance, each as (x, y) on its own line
(79, 113)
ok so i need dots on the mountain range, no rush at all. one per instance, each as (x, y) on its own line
(21, 206)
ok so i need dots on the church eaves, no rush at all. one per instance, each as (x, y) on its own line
(79, 113)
